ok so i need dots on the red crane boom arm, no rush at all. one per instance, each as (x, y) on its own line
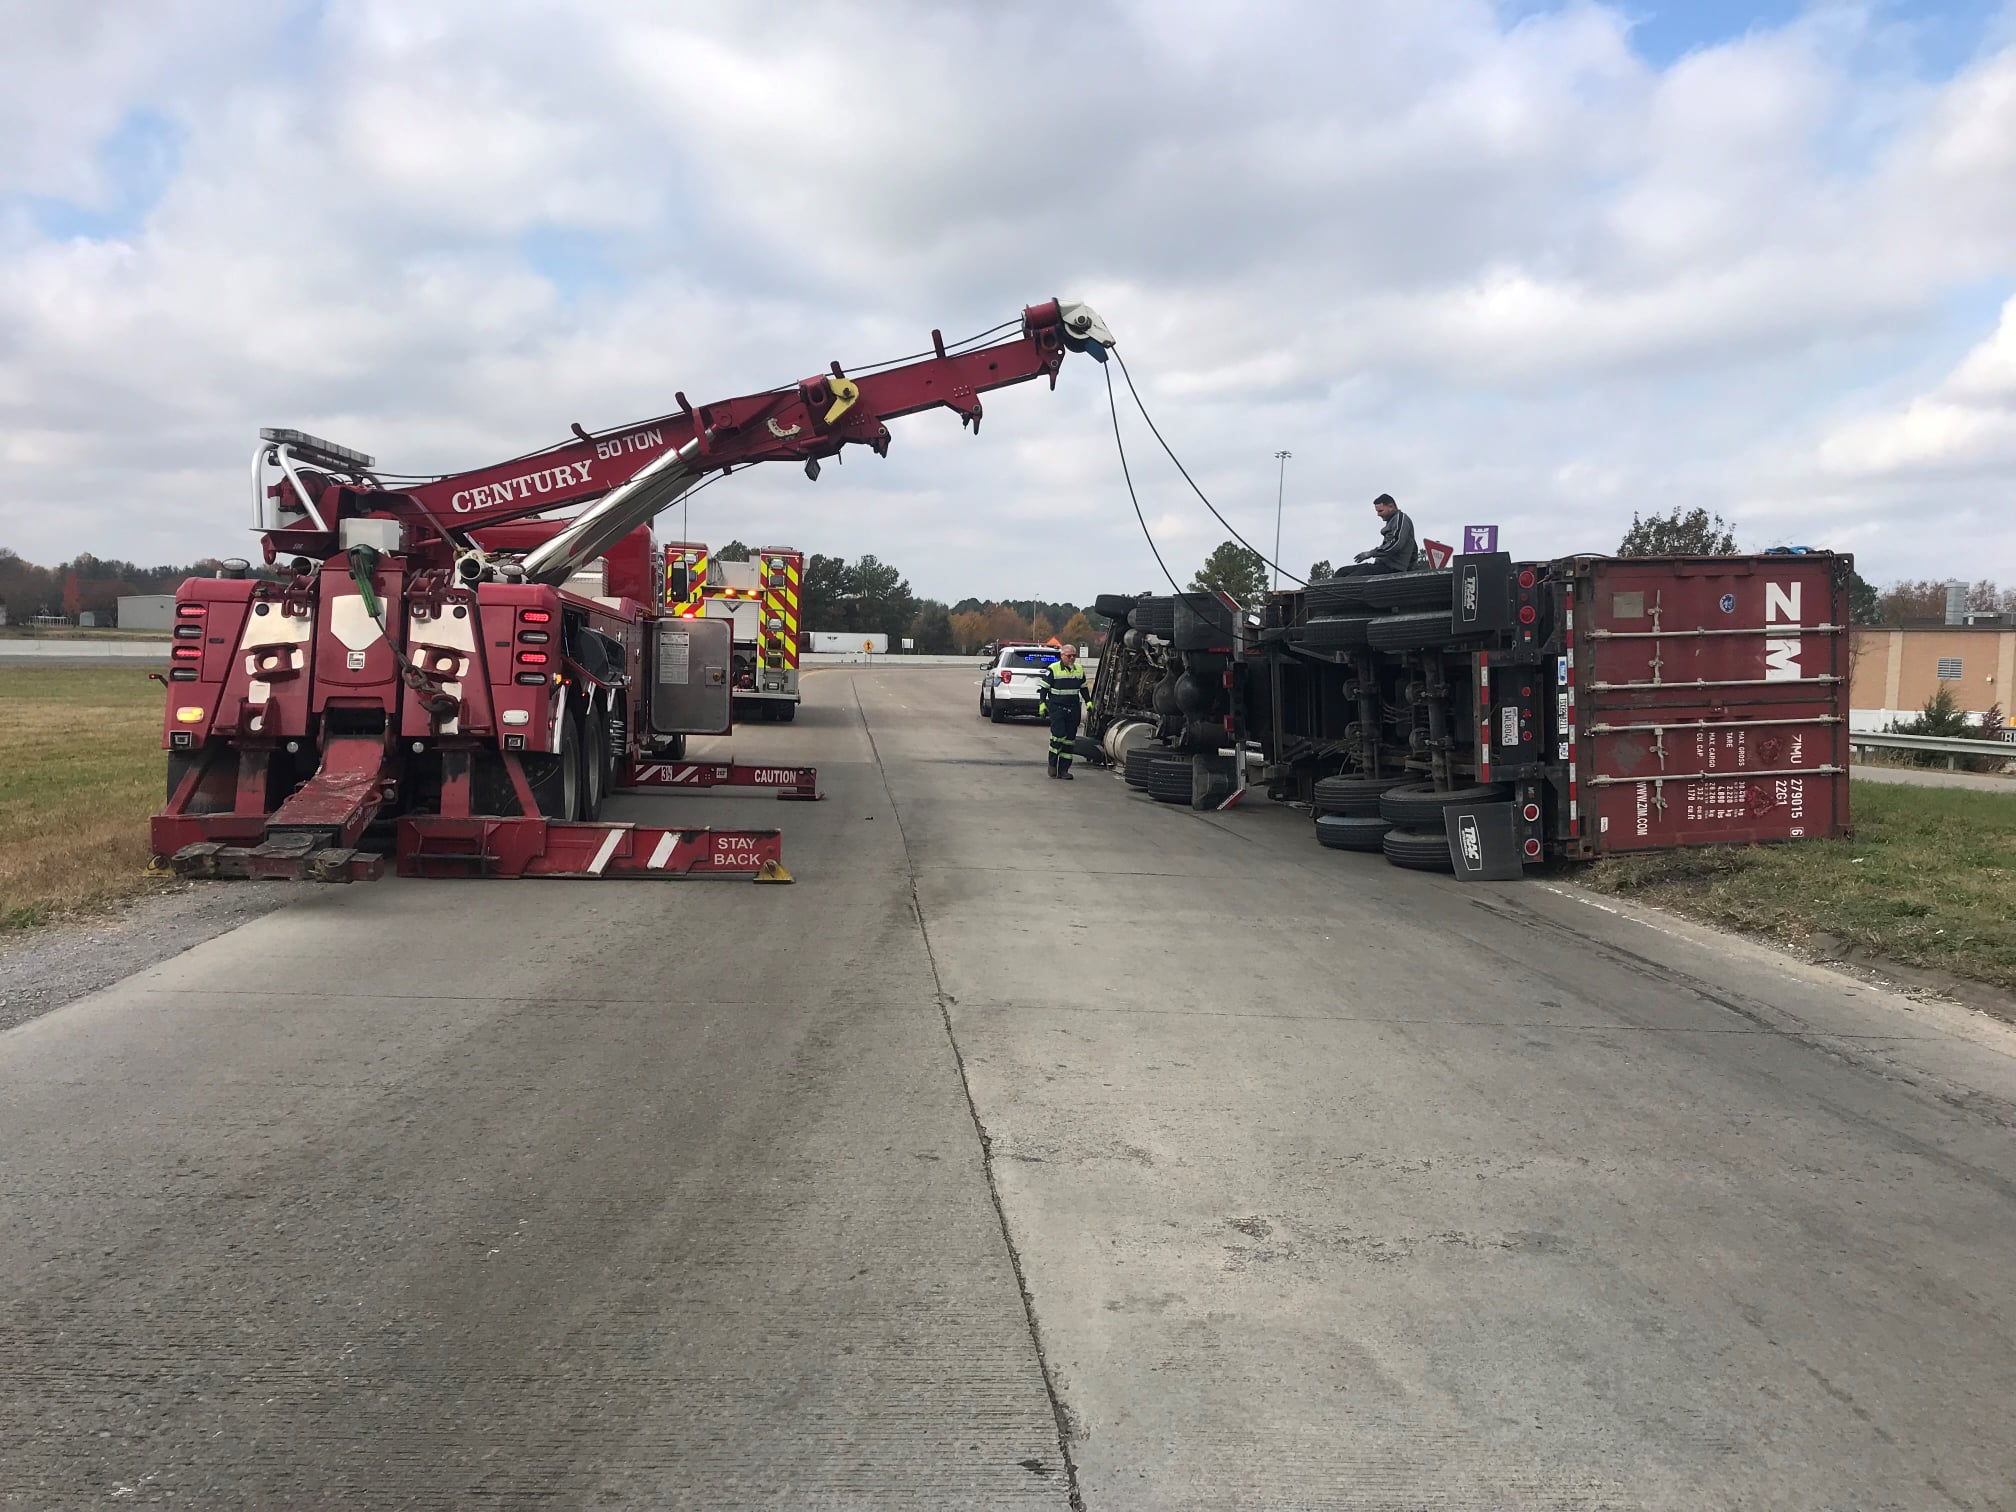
(812, 419)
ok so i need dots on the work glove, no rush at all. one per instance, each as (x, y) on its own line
(1042, 709)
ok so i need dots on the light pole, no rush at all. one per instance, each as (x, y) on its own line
(1280, 487)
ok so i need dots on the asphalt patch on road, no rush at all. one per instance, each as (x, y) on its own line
(41, 969)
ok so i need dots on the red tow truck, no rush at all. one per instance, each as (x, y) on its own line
(436, 666)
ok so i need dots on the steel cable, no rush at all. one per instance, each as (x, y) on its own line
(1120, 446)
(1192, 481)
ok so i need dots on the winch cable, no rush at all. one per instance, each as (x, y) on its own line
(1192, 481)
(1120, 446)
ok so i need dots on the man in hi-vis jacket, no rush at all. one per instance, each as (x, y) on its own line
(1064, 695)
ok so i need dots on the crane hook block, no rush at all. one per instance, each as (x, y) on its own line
(846, 393)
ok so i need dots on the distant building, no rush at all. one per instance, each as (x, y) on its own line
(1893, 673)
(147, 611)
(88, 620)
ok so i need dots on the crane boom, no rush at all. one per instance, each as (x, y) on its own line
(628, 475)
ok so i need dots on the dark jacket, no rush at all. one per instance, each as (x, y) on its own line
(1396, 550)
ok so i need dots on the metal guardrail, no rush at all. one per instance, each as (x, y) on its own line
(1950, 746)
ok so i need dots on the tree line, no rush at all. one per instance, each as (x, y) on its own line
(871, 596)
(1245, 575)
(85, 584)
(1696, 532)
(868, 595)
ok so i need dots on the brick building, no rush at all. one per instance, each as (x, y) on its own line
(1894, 672)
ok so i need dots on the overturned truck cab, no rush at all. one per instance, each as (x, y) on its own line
(1495, 714)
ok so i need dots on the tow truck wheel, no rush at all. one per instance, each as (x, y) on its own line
(594, 770)
(786, 713)
(556, 776)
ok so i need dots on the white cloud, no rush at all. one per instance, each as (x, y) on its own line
(1512, 273)
(1967, 425)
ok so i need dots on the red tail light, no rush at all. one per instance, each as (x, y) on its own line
(191, 611)
(1526, 614)
(1526, 578)
(1007, 676)
(532, 658)
(535, 616)
(1532, 847)
(1532, 812)
(188, 653)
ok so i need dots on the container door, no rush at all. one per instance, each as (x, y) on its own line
(1711, 700)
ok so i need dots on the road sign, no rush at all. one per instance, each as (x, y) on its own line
(1438, 554)
(1478, 539)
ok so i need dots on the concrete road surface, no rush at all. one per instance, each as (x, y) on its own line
(1041, 1143)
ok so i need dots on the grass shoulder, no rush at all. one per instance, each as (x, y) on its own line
(1929, 880)
(81, 772)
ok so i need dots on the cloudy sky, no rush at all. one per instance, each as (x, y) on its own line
(1523, 263)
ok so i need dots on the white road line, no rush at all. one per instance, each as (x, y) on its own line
(602, 856)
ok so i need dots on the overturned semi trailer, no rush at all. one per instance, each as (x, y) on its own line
(1496, 713)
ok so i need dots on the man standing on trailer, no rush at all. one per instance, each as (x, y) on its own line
(1396, 549)
(1063, 700)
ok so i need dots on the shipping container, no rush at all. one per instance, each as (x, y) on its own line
(1578, 707)
(1706, 700)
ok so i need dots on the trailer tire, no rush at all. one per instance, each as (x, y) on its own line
(1352, 797)
(1351, 832)
(1116, 607)
(1408, 632)
(1165, 777)
(1430, 589)
(1337, 596)
(1418, 850)
(787, 713)
(1337, 633)
(1415, 803)
(1140, 761)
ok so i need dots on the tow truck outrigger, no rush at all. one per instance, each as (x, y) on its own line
(435, 653)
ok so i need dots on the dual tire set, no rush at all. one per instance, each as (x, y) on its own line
(1392, 816)
(1200, 782)
(1398, 611)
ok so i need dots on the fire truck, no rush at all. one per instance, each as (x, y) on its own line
(441, 667)
(759, 597)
